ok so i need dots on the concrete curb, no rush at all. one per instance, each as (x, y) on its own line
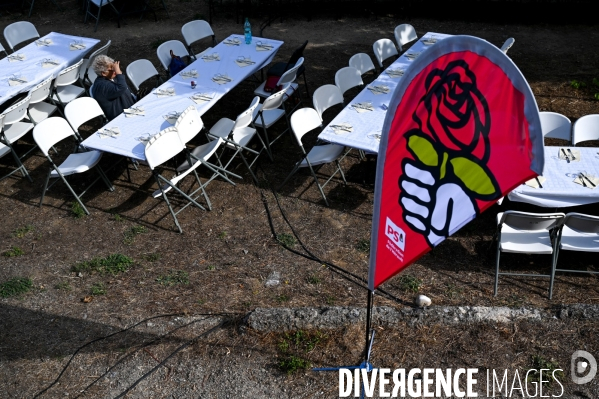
(286, 319)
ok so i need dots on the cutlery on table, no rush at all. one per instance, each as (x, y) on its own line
(571, 154)
(581, 180)
(583, 176)
(566, 155)
(539, 182)
(341, 127)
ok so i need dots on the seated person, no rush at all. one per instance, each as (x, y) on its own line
(110, 88)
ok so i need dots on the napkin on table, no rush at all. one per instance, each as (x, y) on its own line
(534, 183)
(564, 154)
(587, 181)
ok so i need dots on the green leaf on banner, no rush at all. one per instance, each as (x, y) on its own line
(473, 176)
(424, 150)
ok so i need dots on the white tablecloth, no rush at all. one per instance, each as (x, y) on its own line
(131, 128)
(31, 69)
(366, 125)
(559, 190)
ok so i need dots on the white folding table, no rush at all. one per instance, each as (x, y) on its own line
(367, 126)
(31, 69)
(559, 190)
(132, 128)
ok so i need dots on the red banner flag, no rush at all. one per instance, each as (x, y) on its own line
(462, 131)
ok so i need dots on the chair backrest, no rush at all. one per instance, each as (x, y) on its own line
(532, 221)
(41, 92)
(303, 121)
(81, 110)
(404, 34)
(325, 97)
(164, 52)
(383, 49)
(17, 111)
(189, 124)
(19, 32)
(291, 74)
(555, 126)
(582, 223)
(247, 116)
(276, 99)
(139, 71)
(163, 147)
(507, 44)
(50, 131)
(297, 54)
(348, 77)
(362, 62)
(586, 128)
(197, 30)
(102, 50)
(69, 75)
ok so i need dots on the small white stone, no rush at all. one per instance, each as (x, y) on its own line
(423, 301)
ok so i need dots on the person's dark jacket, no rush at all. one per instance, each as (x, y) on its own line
(112, 95)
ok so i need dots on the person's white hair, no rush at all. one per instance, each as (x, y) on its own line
(101, 64)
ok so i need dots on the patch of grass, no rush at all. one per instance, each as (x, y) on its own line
(453, 291)
(293, 363)
(22, 231)
(153, 257)
(174, 277)
(363, 245)
(15, 287)
(12, 252)
(77, 210)
(222, 235)
(98, 289)
(132, 232)
(330, 300)
(118, 218)
(409, 283)
(577, 84)
(549, 367)
(283, 298)
(112, 264)
(211, 267)
(65, 286)
(286, 239)
(314, 279)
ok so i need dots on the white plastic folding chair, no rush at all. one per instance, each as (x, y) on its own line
(161, 148)
(64, 88)
(14, 129)
(53, 130)
(580, 233)
(528, 233)
(195, 31)
(507, 44)
(347, 78)
(586, 128)
(87, 76)
(140, 71)
(555, 126)
(304, 121)
(164, 52)
(19, 32)
(39, 109)
(363, 63)
(237, 136)
(269, 113)
(288, 77)
(81, 110)
(383, 49)
(325, 97)
(404, 34)
(98, 4)
(2, 50)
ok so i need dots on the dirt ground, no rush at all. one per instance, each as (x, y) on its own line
(220, 264)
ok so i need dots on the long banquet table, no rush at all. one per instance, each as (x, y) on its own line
(559, 189)
(367, 126)
(156, 107)
(31, 69)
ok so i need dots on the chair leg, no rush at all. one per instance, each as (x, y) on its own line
(77, 197)
(45, 187)
(553, 267)
(317, 183)
(20, 165)
(105, 178)
(170, 208)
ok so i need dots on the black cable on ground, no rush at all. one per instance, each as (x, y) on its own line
(111, 335)
(359, 281)
(179, 349)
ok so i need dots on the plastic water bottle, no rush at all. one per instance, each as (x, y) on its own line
(247, 30)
